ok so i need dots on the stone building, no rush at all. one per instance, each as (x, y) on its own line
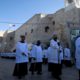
(64, 22)
(8, 41)
(1, 39)
(39, 27)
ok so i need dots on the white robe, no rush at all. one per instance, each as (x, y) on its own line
(49, 55)
(39, 54)
(67, 54)
(21, 48)
(77, 53)
(45, 53)
(33, 53)
(61, 54)
(53, 56)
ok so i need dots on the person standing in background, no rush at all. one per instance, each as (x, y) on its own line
(33, 59)
(50, 63)
(77, 54)
(39, 56)
(60, 57)
(67, 56)
(45, 55)
(55, 57)
(21, 67)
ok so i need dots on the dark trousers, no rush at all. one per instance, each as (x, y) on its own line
(30, 59)
(60, 68)
(39, 67)
(20, 70)
(56, 70)
(45, 60)
(50, 67)
(32, 68)
(79, 74)
(68, 63)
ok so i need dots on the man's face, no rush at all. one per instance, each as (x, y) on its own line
(22, 38)
(55, 38)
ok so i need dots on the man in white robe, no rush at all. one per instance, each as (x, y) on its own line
(67, 56)
(54, 55)
(21, 68)
(39, 57)
(45, 55)
(50, 63)
(77, 54)
(33, 59)
(60, 58)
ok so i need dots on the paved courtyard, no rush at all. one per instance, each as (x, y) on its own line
(7, 67)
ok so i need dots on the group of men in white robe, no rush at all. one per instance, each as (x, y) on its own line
(36, 58)
(55, 55)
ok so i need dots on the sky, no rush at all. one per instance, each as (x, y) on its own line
(19, 11)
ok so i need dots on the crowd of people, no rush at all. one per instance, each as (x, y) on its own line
(54, 55)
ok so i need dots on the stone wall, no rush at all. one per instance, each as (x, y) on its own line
(8, 41)
(34, 29)
(59, 22)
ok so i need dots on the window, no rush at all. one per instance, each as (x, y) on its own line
(31, 30)
(46, 28)
(53, 22)
(11, 38)
(25, 33)
(70, 1)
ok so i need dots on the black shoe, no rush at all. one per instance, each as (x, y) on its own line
(19, 77)
(39, 73)
(32, 73)
(58, 78)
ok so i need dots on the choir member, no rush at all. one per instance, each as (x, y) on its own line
(33, 59)
(39, 57)
(54, 55)
(67, 56)
(77, 54)
(21, 67)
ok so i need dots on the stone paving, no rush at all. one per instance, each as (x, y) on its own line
(7, 67)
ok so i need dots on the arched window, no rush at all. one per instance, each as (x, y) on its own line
(70, 1)
(46, 28)
(53, 22)
(25, 33)
(11, 38)
(31, 30)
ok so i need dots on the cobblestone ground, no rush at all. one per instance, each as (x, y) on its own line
(7, 66)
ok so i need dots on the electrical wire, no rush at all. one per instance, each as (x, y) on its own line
(4, 22)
